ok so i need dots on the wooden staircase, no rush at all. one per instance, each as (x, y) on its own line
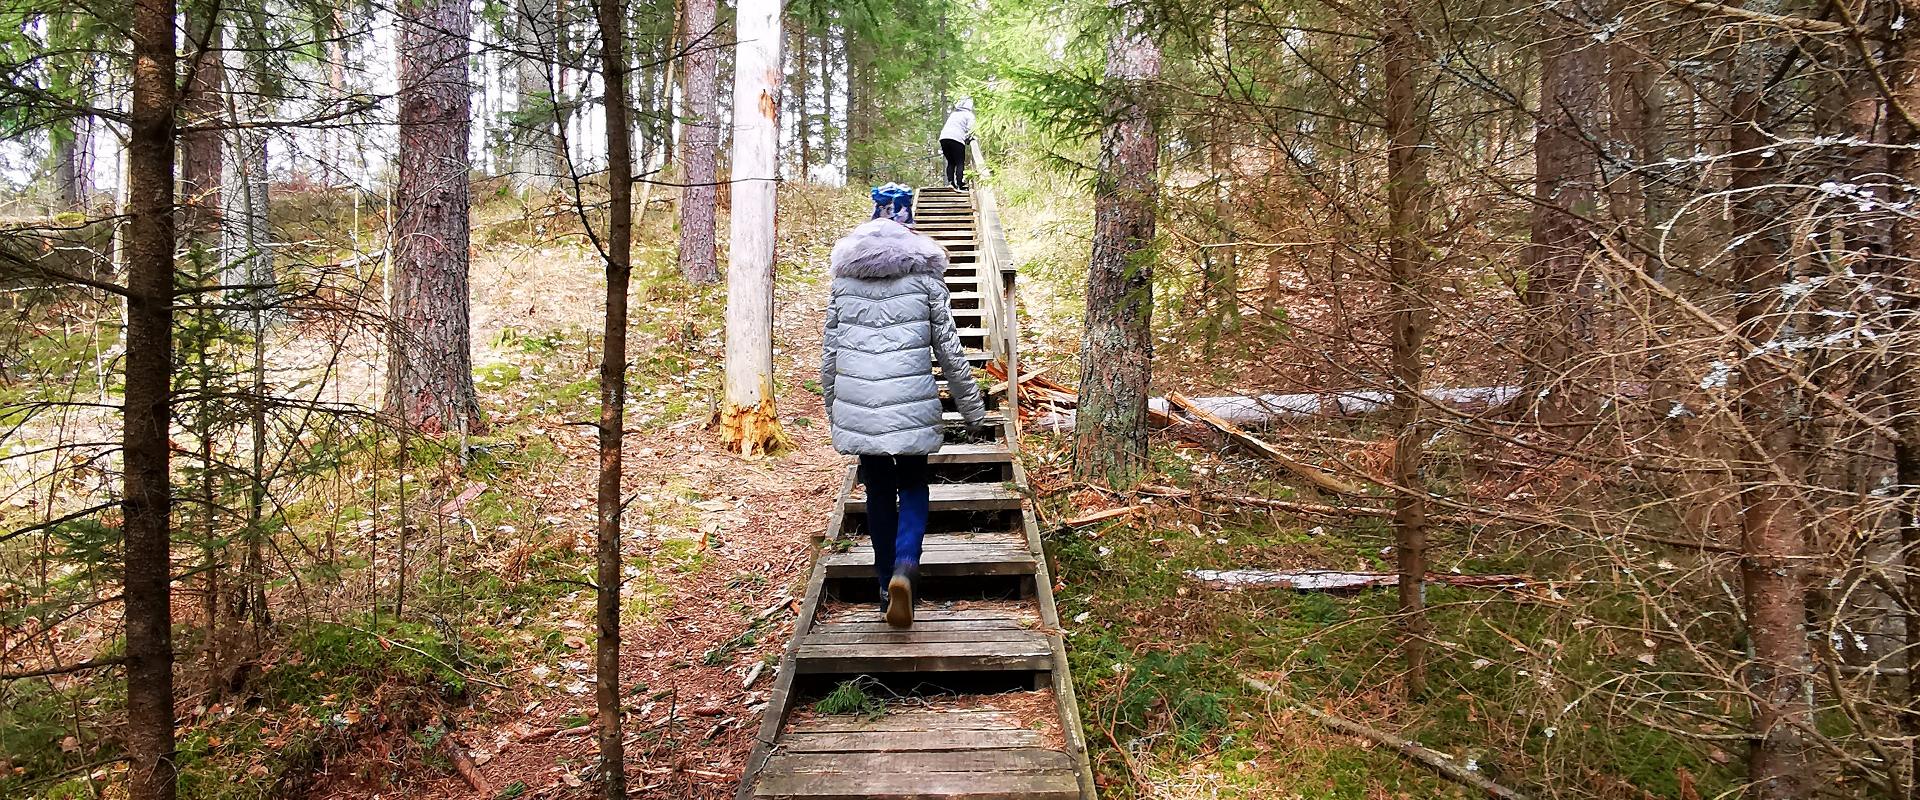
(985, 631)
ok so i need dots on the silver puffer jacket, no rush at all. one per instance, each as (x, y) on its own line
(888, 319)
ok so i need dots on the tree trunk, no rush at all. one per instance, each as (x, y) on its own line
(1409, 198)
(699, 143)
(1772, 531)
(244, 196)
(1110, 442)
(859, 109)
(146, 503)
(70, 184)
(749, 421)
(826, 94)
(537, 168)
(1566, 196)
(802, 123)
(202, 106)
(613, 402)
(1903, 73)
(430, 363)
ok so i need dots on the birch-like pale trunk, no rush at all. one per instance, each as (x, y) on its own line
(749, 421)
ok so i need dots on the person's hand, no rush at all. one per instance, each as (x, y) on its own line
(977, 428)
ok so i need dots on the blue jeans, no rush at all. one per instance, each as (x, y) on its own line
(896, 512)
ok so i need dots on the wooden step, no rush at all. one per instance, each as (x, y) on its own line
(982, 453)
(953, 497)
(916, 755)
(945, 555)
(851, 644)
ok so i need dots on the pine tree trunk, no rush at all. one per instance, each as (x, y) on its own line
(749, 421)
(1110, 442)
(699, 143)
(802, 123)
(146, 502)
(202, 106)
(613, 402)
(859, 109)
(1566, 195)
(430, 361)
(1772, 530)
(1409, 200)
(826, 94)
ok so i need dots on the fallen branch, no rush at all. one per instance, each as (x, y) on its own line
(68, 669)
(1099, 516)
(1311, 474)
(464, 765)
(1434, 760)
(1319, 580)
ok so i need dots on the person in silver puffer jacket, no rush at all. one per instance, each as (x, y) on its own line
(887, 321)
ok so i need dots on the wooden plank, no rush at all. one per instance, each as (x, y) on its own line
(1029, 653)
(937, 614)
(833, 635)
(1011, 760)
(941, 562)
(922, 741)
(977, 453)
(893, 721)
(958, 497)
(922, 786)
(936, 625)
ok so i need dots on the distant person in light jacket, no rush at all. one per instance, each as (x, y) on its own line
(954, 137)
(887, 321)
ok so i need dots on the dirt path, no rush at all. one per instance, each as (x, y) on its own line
(703, 576)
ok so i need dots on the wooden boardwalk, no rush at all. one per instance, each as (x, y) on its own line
(980, 704)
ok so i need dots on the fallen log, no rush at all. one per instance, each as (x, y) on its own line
(1266, 409)
(1244, 439)
(1318, 580)
(1440, 763)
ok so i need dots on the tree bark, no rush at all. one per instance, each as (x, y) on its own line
(1903, 77)
(613, 401)
(802, 74)
(1409, 200)
(699, 143)
(1769, 406)
(430, 363)
(539, 162)
(1110, 442)
(146, 503)
(1566, 196)
(749, 420)
(201, 151)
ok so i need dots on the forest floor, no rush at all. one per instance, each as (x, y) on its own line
(717, 546)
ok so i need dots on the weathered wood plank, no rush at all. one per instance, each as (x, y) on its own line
(976, 453)
(957, 497)
(922, 786)
(920, 741)
(998, 760)
(1029, 652)
(895, 721)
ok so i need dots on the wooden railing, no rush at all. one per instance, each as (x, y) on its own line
(1003, 336)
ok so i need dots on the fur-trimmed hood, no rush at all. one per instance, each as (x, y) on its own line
(882, 248)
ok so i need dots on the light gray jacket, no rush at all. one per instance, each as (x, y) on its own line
(888, 319)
